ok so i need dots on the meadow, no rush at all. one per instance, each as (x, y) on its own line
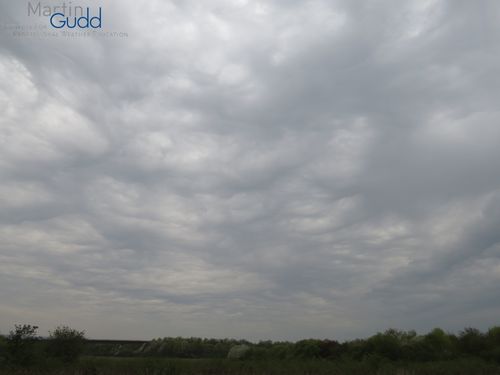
(172, 366)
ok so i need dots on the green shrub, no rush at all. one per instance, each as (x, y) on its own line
(238, 352)
(472, 342)
(20, 348)
(65, 344)
(3, 348)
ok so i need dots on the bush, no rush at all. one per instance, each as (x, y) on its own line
(65, 344)
(309, 348)
(238, 352)
(20, 348)
(472, 341)
(386, 345)
(3, 348)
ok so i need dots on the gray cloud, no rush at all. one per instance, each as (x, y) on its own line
(252, 169)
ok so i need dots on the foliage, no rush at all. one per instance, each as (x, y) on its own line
(20, 348)
(471, 341)
(386, 345)
(307, 349)
(390, 352)
(65, 344)
(171, 347)
(169, 366)
(391, 345)
(238, 352)
(3, 348)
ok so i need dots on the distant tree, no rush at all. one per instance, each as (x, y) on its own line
(331, 349)
(309, 348)
(494, 336)
(356, 349)
(238, 352)
(438, 345)
(493, 344)
(20, 346)
(471, 341)
(65, 344)
(387, 344)
(3, 348)
(281, 350)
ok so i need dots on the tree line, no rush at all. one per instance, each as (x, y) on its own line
(392, 345)
(23, 346)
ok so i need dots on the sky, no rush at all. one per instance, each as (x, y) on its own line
(251, 169)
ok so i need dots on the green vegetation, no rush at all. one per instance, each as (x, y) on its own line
(20, 345)
(392, 352)
(238, 352)
(171, 347)
(391, 345)
(65, 344)
(23, 348)
(176, 366)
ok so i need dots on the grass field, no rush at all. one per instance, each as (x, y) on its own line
(160, 366)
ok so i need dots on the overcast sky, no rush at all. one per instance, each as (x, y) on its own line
(253, 169)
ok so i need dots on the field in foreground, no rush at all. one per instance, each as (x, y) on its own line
(161, 366)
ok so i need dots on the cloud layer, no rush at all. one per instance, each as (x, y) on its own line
(265, 169)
